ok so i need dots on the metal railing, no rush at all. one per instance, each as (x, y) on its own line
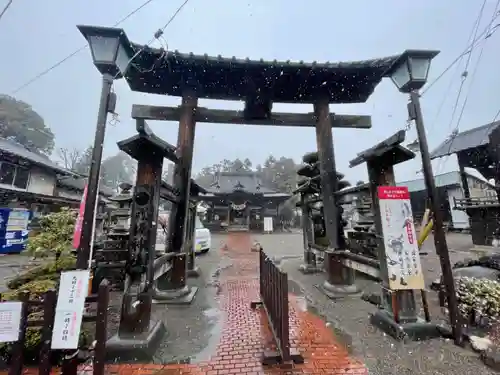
(464, 203)
(274, 299)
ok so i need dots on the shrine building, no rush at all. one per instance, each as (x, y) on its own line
(239, 201)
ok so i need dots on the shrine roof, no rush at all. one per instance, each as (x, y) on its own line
(158, 71)
(465, 140)
(230, 182)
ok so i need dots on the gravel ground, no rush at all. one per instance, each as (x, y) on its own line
(191, 329)
(350, 318)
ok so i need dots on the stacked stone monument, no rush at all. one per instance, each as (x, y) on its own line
(110, 260)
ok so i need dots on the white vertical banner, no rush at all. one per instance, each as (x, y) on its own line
(400, 238)
(73, 290)
(268, 224)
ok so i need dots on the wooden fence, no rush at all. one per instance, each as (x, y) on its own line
(274, 299)
(71, 358)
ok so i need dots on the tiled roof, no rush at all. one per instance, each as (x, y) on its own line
(78, 183)
(465, 140)
(228, 182)
(442, 180)
(16, 149)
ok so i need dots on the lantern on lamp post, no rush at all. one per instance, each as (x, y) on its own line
(111, 52)
(409, 73)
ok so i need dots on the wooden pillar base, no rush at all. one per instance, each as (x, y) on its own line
(141, 347)
(340, 281)
(171, 288)
(309, 266)
(416, 331)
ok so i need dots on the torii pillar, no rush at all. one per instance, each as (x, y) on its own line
(341, 280)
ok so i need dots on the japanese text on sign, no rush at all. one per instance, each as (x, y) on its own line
(69, 310)
(401, 248)
(10, 321)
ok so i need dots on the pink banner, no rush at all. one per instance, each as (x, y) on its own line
(79, 221)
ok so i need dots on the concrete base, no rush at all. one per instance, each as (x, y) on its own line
(491, 358)
(415, 331)
(183, 296)
(339, 291)
(308, 269)
(373, 298)
(135, 347)
(195, 272)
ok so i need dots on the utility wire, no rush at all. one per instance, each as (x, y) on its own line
(5, 8)
(486, 33)
(455, 131)
(464, 75)
(62, 61)
(157, 35)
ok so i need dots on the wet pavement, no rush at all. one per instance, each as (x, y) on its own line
(238, 335)
(220, 334)
(350, 317)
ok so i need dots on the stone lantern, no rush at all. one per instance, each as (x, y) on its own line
(110, 260)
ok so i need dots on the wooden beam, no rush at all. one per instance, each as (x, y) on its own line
(222, 116)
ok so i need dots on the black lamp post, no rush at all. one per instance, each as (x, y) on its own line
(110, 53)
(409, 73)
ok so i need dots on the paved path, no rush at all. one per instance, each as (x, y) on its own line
(245, 333)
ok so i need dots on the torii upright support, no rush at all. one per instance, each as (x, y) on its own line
(398, 315)
(182, 178)
(341, 280)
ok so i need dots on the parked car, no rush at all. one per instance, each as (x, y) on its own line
(203, 237)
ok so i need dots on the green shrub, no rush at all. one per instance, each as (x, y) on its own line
(479, 299)
(54, 240)
(32, 342)
(55, 236)
(36, 289)
(50, 270)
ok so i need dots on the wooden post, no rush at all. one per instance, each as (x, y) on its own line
(309, 265)
(17, 360)
(101, 327)
(182, 172)
(192, 269)
(324, 141)
(143, 228)
(49, 312)
(329, 185)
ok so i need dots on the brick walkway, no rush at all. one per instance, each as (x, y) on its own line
(245, 333)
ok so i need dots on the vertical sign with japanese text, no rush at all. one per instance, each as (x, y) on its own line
(10, 321)
(73, 290)
(400, 239)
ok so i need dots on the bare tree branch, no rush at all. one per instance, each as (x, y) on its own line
(69, 157)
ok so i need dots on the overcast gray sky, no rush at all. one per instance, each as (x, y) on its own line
(36, 34)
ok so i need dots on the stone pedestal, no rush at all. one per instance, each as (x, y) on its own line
(135, 347)
(309, 266)
(340, 282)
(414, 329)
(171, 287)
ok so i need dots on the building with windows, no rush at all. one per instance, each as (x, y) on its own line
(449, 187)
(31, 180)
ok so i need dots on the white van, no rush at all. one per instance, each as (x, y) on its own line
(203, 237)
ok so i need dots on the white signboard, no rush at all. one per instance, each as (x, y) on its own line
(10, 321)
(73, 290)
(268, 224)
(400, 239)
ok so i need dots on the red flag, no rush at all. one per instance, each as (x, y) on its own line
(79, 220)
